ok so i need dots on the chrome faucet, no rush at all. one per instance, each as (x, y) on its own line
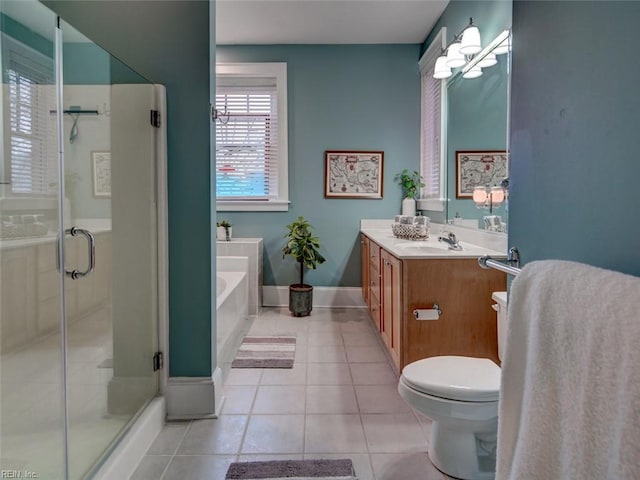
(451, 240)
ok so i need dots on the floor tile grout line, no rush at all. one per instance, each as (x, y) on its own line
(246, 426)
(166, 468)
(184, 435)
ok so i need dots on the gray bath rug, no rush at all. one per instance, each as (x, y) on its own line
(292, 469)
(266, 352)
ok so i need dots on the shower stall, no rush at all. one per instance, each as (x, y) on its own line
(80, 280)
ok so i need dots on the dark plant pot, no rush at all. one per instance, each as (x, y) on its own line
(300, 299)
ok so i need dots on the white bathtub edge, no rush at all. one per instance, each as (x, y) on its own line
(340, 297)
(134, 445)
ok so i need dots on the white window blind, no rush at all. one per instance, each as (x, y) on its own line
(432, 143)
(247, 140)
(32, 144)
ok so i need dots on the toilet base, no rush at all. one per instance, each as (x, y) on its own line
(461, 454)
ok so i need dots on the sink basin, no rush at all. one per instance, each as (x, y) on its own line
(424, 246)
(434, 246)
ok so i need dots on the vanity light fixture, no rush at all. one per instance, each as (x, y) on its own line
(505, 45)
(490, 49)
(441, 70)
(454, 57)
(458, 53)
(489, 61)
(470, 43)
(474, 72)
(488, 199)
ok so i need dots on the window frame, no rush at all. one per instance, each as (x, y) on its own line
(435, 203)
(277, 70)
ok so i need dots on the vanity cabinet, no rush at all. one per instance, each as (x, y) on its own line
(364, 250)
(462, 290)
(392, 304)
(375, 304)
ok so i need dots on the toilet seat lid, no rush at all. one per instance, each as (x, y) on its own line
(456, 378)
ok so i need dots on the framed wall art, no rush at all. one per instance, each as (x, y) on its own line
(101, 162)
(353, 174)
(479, 168)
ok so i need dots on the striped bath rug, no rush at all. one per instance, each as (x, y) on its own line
(292, 469)
(266, 352)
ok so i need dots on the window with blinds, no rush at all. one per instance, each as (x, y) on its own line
(432, 148)
(250, 159)
(32, 139)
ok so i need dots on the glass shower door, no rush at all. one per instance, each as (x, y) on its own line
(77, 334)
(32, 393)
(111, 304)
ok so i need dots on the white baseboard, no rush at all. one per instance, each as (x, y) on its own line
(194, 397)
(343, 297)
(127, 455)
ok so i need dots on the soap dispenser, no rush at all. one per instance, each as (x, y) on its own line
(457, 220)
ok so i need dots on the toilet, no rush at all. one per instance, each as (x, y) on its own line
(460, 395)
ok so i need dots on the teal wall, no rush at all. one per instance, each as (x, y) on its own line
(168, 43)
(574, 133)
(21, 32)
(354, 97)
(477, 108)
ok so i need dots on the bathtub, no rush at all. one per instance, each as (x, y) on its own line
(231, 305)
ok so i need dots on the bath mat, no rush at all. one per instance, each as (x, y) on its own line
(294, 469)
(266, 352)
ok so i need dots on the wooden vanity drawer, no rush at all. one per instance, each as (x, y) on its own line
(374, 256)
(374, 308)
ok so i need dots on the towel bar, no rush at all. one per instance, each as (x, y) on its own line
(512, 267)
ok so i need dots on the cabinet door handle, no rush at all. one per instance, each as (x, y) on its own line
(75, 274)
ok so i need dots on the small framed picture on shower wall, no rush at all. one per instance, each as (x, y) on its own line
(101, 174)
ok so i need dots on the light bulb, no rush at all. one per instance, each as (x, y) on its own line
(489, 60)
(473, 72)
(470, 44)
(504, 46)
(497, 195)
(479, 196)
(441, 70)
(454, 58)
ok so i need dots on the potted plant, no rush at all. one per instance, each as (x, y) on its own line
(223, 230)
(411, 184)
(304, 248)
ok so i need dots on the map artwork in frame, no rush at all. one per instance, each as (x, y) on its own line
(101, 162)
(479, 168)
(353, 174)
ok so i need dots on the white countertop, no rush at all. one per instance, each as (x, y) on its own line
(430, 248)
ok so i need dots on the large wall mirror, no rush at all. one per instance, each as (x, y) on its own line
(477, 142)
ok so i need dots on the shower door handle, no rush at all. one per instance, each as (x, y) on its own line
(75, 274)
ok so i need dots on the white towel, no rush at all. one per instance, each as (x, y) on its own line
(570, 398)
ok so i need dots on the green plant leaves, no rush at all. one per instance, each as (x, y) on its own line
(410, 183)
(302, 245)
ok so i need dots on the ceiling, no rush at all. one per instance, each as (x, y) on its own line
(267, 22)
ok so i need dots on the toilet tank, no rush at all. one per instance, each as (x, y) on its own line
(501, 308)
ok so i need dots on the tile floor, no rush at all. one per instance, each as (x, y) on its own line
(338, 401)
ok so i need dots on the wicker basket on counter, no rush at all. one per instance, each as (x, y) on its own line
(410, 231)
